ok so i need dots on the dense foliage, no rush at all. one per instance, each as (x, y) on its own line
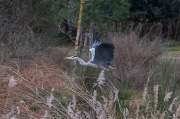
(97, 12)
(154, 9)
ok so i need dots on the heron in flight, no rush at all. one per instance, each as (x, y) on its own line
(102, 55)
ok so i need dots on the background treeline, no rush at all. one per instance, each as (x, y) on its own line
(55, 20)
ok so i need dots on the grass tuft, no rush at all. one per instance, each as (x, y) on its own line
(172, 48)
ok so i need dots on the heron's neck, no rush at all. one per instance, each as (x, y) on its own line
(92, 53)
(81, 61)
(89, 63)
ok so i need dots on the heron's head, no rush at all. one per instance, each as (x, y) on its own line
(72, 57)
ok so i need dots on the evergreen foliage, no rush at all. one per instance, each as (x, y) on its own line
(98, 12)
(154, 9)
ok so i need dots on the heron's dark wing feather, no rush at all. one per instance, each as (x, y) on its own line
(104, 54)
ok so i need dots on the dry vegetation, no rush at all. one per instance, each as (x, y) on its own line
(134, 58)
(43, 92)
(37, 84)
(42, 88)
(30, 83)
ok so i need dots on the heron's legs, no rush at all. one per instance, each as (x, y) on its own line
(104, 68)
(109, 68)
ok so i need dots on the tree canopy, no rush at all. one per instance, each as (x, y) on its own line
(154, 9)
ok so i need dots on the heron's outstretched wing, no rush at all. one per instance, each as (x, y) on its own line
(95, 44)
(104, 54)
(92, 49)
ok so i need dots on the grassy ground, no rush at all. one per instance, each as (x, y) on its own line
(172, 52)
(173, 48)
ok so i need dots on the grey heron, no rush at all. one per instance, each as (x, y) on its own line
(102, 54)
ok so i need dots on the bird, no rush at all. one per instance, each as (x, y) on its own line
(102, 54)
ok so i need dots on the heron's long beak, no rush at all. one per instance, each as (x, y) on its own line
(67, 57)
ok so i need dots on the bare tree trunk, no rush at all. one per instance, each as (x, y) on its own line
(85, 48)
(78, 32)
(88, 41)
(81, 43)
(90, 36)
(78, 27)
(85, 41)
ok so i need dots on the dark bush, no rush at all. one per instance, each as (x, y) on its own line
(153, 10)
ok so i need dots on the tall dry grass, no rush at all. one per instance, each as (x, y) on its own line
(167, 28)
(41, 91)
(32, 89)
